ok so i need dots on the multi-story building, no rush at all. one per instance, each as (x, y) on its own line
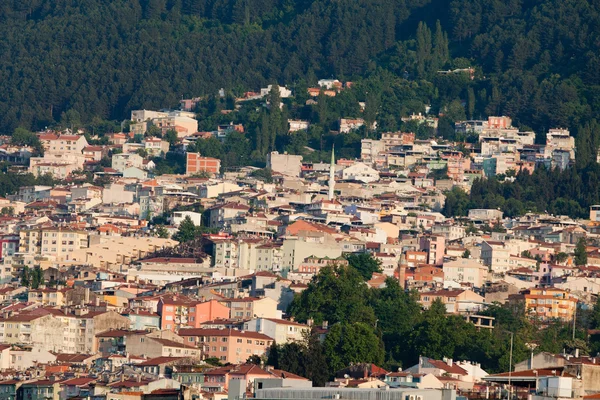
(178, 312)
(466, 271)
(66, 144)
(46, 296)
(55, 242)
(248, 307)
(228, 345)
(280, 330)
(550, 303)
(195, 164)
(435, 246)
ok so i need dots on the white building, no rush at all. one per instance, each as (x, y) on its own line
(467, 271)
(360, 172)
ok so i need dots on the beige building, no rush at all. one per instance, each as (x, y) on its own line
(285, 164)
(66, 144)
(38, 329)
(465, 270)
(456, 301)
(296, 249)
(110, 252)
(57, 242)
(151, 347)
(497, 255)
(280, 330)
(249, 307)
(46, 296)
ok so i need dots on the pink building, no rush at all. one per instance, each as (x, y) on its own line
(178, 312)
(435, 246)
(499, 122)
(228, 345)
(207, 311)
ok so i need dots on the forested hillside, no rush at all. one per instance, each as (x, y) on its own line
(536, 60)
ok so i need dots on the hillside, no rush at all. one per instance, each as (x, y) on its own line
(535, 60)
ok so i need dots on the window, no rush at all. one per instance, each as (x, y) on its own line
(224, 339)
(223, 348)
(239, 340)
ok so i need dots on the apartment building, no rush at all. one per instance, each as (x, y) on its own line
(228, 345)
(195, 164)
(55, 242)
(465, 271)
(550, 303)
(280, 330)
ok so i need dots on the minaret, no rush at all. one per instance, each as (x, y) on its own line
(332, 174)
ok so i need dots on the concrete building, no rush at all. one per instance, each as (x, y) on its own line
(282, 331)
(435, 247)
(466, 271)
(179, 216)
(550, 303)
(195, 164)
(147, 346)
(285, 164)
(228, 345)
(121, 162)
(56, 242)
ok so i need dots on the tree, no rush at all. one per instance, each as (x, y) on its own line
(466, 254)
(162, 232)
(10, 211)
(352, 343)
(171, 137)
(37, 277)
(25, 278)
(581, 252)
(365, 264)
(23, 137)
(264, 174)
(254, 359)
(335, 294)
(142, 153)
(187, 230)
(305, 358)
(561, 257)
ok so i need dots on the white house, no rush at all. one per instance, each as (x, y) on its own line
(360, 172)
(179, 216)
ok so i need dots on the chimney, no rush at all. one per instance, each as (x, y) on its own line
(310, 322)
(576, 353)
(325, 325)
(449, 362)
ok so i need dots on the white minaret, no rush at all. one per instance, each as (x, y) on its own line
(332, 174)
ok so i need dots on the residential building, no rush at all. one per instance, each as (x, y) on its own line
(196, 164)
(550, 303)
(280, 330)
(285, 164)
(228, 345)
(467, 271)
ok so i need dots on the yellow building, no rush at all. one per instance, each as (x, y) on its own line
(550, 303)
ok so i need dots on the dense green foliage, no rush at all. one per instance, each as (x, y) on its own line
(388, 326)
(570, 192)
(70, 61)
(10, 182)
